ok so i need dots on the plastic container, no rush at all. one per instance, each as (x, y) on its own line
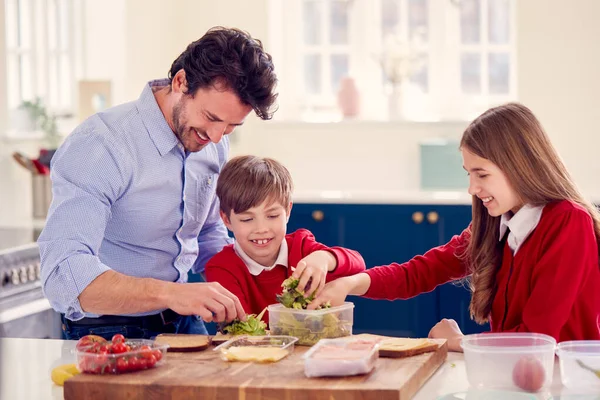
(135, 360)
(262, 349)
(576, 357)
(310, 326)
(521, 361)
(341, 357)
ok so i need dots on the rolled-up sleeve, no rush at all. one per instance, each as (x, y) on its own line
(88, 175)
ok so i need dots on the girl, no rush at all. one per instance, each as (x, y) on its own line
(530, 252)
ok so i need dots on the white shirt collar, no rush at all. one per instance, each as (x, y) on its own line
(521, 225)
(254, 267)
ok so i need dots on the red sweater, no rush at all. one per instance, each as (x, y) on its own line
(551, 286)
(257, 292)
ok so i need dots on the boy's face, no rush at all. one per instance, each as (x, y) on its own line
(260, 230)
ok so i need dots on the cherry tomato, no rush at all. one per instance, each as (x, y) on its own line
(122, 365)
(118, 338)
(119, 348)
(151, 362)
(157, 355)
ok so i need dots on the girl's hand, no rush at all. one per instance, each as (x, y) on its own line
(334, 293)
(312, 271)
(448, 329)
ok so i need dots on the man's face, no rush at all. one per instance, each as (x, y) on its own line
(213, 112)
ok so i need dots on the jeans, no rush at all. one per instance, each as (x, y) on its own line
(183, 324)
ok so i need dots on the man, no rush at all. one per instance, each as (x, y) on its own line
(134, 205)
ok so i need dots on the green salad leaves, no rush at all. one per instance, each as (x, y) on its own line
(291, 297)
(252, 326)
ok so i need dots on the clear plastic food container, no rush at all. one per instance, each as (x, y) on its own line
(522, 361)
(262, 349)
(580, 364)
(341, 357)
(309, 326)
(143, 354)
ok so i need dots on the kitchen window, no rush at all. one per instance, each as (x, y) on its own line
(39, 52)
(443, 59)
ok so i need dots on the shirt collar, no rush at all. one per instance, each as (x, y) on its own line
(254, 267)
(159, 130)
(520, 224)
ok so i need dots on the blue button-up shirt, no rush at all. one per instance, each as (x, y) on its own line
(127, 197)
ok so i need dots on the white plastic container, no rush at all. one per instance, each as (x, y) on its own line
(515, 361)
(261, 349)
(341, 357)
(309, 326)
(575, 358)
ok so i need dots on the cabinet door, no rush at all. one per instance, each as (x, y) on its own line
(455, 297)
(321, 219)
(384, 234)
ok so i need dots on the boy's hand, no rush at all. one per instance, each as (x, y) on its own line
(313, 268)
(448, 329)
(334, 293)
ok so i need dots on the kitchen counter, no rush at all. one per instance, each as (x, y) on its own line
(26, 365)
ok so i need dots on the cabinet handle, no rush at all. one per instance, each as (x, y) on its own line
(432, 217)
(417, 217)
(318, 215)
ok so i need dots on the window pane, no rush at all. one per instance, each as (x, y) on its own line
(11, 24)
(339, 22)
(63, 23)
(470, 21)
(418, 19)
(498, 14)
(65, 81)
(26, 77)
(312, 73)
(499, 72)
(312, 22)
(339, 69)
(52, 22)
(389, 17)
(24, 12)
(13, 79)
(53, 82)
(470, 73)
(420, 76)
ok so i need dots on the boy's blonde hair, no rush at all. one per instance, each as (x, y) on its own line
(513, 139)
(247, 181)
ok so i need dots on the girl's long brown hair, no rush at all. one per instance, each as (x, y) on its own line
(511, 137)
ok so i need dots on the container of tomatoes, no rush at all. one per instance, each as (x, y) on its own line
(95, 355)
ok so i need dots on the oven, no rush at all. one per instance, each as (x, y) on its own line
(24, 311)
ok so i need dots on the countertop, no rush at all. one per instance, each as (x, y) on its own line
(26, 365)
(383, 197)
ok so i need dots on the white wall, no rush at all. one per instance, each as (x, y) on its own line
(558, 73)
(133, 41)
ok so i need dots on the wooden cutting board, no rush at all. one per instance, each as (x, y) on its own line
(204, 375)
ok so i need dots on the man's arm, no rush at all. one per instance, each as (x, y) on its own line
(115, 293)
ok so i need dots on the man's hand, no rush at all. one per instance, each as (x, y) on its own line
(210, 301)
(313, 268)
(448, 329)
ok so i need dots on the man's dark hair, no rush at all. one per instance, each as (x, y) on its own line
(234, 56)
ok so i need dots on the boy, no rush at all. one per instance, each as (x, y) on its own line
(255, 201)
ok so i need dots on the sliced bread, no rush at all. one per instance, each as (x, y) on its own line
(184, 342)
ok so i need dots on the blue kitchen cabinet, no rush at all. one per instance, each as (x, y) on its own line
(386, 233)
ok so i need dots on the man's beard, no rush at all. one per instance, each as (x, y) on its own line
(177, 124)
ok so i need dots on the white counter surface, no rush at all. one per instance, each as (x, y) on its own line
(26, 364)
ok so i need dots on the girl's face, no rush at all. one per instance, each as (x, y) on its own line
(260, 230)
(490, 185)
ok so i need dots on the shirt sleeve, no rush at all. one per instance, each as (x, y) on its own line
(88, 176)
(421, 274)
(570, 253)
(349, 262)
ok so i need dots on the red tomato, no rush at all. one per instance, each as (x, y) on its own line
(122, 365)
(146, 351)
(134, 364)
(118, 348)
(118, 338)
(151, 362)
(158, 355)
(88, 340)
